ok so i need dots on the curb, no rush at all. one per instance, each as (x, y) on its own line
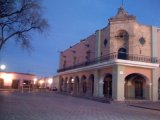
(145, 107)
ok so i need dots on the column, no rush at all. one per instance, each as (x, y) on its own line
(98, 44)
(59, 84)
(154, 85)
(100, 88)
(118, 83)
(96, 83)
(154, 47)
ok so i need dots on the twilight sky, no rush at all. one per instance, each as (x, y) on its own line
(70, 21)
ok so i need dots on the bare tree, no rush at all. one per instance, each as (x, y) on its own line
(18, 18)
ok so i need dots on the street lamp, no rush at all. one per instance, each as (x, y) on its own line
(2, 67)
(35, 80)
(50, 81)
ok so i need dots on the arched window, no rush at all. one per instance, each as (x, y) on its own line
(123, 35)
(122, 53)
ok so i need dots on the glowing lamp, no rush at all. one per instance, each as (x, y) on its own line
(50, 81)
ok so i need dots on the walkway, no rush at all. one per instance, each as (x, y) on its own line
(51, 106)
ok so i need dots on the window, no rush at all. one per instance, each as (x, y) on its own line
(64, 64)
(74, 60)
(105, 42)
(88, 53)
(142, 41)
(122, 53)
(122, 34)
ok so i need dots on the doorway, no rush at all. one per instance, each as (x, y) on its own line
(122, 53)
(107, 86)
(138, 89)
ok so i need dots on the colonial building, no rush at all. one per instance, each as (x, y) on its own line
(119, 61)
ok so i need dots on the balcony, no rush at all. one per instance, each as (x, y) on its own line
(111, 57)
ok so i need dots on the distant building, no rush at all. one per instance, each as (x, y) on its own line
(120, 61)
(15, 80)
(48, 82)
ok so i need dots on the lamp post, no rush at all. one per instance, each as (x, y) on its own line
(2, 67)
(50, 81)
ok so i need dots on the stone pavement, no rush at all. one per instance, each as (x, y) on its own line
(147, 105)
(51, 106)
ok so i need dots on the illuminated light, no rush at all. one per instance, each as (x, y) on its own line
(50, 81)
(101, 82)
(35, 80)
(150, 83)
(72, 80)
(41, 81)
(7, 79)
(2, 67)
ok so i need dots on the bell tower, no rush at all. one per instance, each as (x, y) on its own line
(121, 31)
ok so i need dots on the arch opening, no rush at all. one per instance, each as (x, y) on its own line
(122, 53)
(65, 84)
(71, 84)
(136, 87)
(77, 86)
(107, 86)
(91, 84)
(61, 84)
(84, 84)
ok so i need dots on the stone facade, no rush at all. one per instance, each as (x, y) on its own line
(119, 62)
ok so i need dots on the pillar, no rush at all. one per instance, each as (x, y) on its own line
(100, 88)
(154, 87)
(118, 83)
(154, 53)
(96, 83)
(59, 84)
(98, 44)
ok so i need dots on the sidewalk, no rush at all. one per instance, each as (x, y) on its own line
(147, 105)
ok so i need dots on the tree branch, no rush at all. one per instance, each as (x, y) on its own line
(17, 18)
(18, 32)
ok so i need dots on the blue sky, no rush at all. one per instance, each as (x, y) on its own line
(70, 21)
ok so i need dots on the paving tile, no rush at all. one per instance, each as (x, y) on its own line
(52, 106)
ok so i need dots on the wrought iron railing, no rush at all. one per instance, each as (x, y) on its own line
(113, 56)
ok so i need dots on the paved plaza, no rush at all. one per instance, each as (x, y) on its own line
(52, 106)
